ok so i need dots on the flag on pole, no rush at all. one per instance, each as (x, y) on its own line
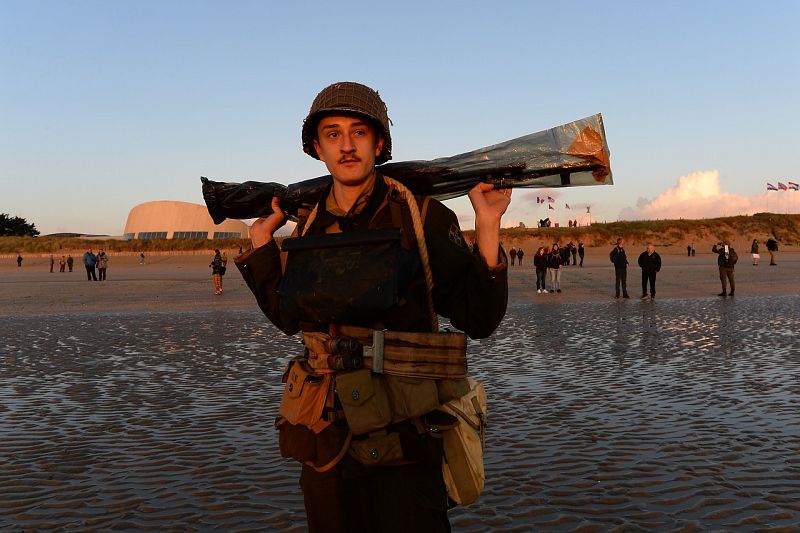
(567, 205)
(794, 186)
(771, 187)
(782, 186)
(551, 207)
(551, 199)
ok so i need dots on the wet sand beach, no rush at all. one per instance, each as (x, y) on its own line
(146, 403)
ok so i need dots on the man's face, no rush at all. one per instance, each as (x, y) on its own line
(650, 249)
(348, 146)
(621, 244)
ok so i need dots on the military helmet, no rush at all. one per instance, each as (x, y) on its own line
(351, 98)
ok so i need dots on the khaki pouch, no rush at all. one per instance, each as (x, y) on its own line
(378, 450)
(305, 396)
(364, 400)
(410, 397)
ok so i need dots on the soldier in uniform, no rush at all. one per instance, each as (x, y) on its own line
(347, 128)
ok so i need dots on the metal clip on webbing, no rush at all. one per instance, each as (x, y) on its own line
(376, 351)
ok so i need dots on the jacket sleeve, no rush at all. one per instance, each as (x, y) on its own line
(261, 270)
(465, 289)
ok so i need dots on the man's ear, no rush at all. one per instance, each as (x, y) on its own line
(379, 146)
(315, 144)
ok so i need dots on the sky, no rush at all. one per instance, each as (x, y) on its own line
(105, 105)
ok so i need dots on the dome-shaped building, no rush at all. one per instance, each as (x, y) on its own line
(179, 220)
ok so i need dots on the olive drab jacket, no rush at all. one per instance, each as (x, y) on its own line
(465, 290)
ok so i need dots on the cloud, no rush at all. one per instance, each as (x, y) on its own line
(699, 195)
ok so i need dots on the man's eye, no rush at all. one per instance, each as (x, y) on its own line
(332, 134)
(360, 132)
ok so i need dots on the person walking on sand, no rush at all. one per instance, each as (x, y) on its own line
(620, 261)
(52, 263)
(554, 261)
(520, 255)
(754, 252)
(102, 264)
(689, 250)
(62, 263)
(89, 261)
(141, 258)
(726, 260)
(772, 248)
(540, 264)
(513, 255)
(217, 271)
(650, 263)
(372, 467)
(70, 262)
(581, 252)
(574, 251)
(19, 260)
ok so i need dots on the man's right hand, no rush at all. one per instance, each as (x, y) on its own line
(262, 230)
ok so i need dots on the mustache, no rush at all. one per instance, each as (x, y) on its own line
(350, 159)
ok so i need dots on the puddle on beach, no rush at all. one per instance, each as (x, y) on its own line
(642, 416)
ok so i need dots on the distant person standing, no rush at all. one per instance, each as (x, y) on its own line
(726, 259)
(217, 271)
(650, 262)
(520, 255)
(90, 261)
(554, 261)
(513, 254)
(689, 250)
(102, 264)
(62, 264)
(52, 263)
(620, 261)
(754, 252)
(70, 262)
(540, 264)
(772, 248)
(141, 258)
(19, 260)
(581, 252)
(574, 251)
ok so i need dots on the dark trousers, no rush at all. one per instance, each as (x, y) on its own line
(102, 273)
(575, 258)
(725, 276)
(581, 259)
(621, 275)
(649, 277)
(90, 275)
(351, 497)
(540, 275)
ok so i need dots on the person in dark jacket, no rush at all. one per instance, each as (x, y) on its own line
(581, 252)
(540, 264)
(554, 262)
(520, 255)
(726, 260)
(650, 263)
(217, 271)
(754, 252)
(348, 129)
(620, 261)
(772, 248)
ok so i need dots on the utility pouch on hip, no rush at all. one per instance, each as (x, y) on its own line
(305, 396)
(410, 397)
(346, 278)
(381, 449)
(364, 399)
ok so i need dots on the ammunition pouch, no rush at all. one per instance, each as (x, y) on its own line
(306, 395)
(349, 277)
